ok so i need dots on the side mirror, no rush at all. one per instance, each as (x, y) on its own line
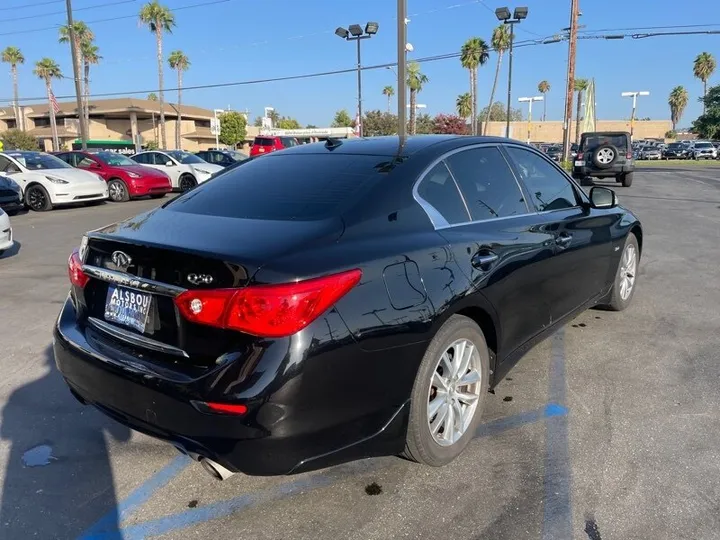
(602, 197)
(169, 164)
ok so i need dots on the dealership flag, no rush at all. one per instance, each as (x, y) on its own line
(588, 122)
(54, 102)
(357, 124)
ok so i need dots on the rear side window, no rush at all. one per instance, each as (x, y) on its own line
(295, 187)
(440, 195)
(548, 187)
(487, 183)
(141, 158)
(287, 142)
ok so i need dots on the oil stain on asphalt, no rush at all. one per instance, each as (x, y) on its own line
(591, 529)
(373, 489)
(38, 456)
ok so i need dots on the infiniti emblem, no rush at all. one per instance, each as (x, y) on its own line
(121, 260)
(200, 279)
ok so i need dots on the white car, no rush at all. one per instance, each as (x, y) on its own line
(703, 150)
(185, 170)
(47, 181)
(6, 233)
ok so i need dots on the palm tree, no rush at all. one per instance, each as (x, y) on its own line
(47, 69)
(474, 53)
(544, 88)
(82, 34)
(463, 104)
(13, 56)
(180, 62)
(415, 81)
(678, 100)
(90, 57)
(500, 43)
(702, 69)
(388, 91)
(152, 96)
(159, 19)
(580, 86)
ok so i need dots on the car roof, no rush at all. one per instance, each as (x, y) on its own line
(390, 145)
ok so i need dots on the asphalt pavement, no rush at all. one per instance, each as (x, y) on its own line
(608, 430)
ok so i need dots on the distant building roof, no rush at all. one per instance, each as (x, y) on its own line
(106, 106)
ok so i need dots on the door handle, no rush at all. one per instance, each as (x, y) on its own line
(563, 240)
(484, 259)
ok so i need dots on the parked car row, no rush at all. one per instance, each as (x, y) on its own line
(41, 181)
(676, 150)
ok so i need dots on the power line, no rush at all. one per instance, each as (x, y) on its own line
(46, 3)
(74, 10)
(647, 28)
(112, 19)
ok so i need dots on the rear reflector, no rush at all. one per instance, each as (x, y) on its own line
(77, 276)
(267, 310)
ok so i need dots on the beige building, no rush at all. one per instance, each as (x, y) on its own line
(116, 120)
(552, 132)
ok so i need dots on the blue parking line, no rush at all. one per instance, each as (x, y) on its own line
(108, 524)
(557, 520)
(511, 422)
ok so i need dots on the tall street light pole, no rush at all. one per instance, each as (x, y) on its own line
(354, 32)
(634, 95)
(503, 14)
(76, 76)
(402, 67)
(529, 101)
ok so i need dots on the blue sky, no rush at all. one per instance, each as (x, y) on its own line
(239, 40)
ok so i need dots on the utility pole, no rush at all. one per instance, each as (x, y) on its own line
(76, 75)
(402, 77)
(574, 10)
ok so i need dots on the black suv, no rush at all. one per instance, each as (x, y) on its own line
(605, 154)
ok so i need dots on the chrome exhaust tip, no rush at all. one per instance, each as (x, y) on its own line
(217, 471)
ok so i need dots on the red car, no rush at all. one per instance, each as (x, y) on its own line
(126, 179)
(264, 144)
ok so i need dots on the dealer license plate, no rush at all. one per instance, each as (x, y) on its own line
(579, 163)
(127, 307)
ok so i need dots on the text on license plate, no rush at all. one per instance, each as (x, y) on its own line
(127, 307)
(579, 163)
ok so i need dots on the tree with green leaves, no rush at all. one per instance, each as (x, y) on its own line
(48, 69)
(286, 122)
(159, 19)
(377, 123)
(152, 96)
(671, 134)
(82, 34)
(580, 85)
(233, 128)
(498, 113)
(388, 92)
(677, 100)
(544, 88)
(179, 61)
(424, 124)
(703, 68)
(17, 139)
(342, 119)
(500, 42)
(707, 125)
(474, 53)
(90, 56)
(14, 57)
(311, 126)
(415, 82)
(463, 105)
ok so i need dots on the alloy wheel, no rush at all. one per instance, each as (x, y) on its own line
(605, 156)
(628, 269)
(454, 392)
(36, 199)
(186, 183)
(117, 191)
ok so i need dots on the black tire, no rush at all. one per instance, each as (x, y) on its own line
(614, 300)
(118, 191)
(420, 445)
(627, 179)
(187, 182)
(37, 198)
(157, 195)
(619, 178)
(587, 181)
(604, 148)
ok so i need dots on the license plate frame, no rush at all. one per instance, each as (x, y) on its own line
(128, 307)
(579, 163)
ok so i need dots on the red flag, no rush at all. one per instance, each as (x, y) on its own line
(54, 102)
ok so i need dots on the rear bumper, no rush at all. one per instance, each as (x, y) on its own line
(280, 433)
(582, 172)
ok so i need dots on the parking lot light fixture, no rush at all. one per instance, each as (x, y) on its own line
(529, 101)
(634, 95)
(503, 14)
(355, 32)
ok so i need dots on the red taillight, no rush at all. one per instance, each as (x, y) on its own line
(226, 408)
(629, 155)
(267, 310)
(77, 276)
(579, 155)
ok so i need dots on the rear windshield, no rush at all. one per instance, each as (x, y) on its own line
(593, 141)
(263, 141)
(703, 145)
(301, 187)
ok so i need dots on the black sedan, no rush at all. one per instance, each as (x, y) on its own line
(337, 301)
(10, 195)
